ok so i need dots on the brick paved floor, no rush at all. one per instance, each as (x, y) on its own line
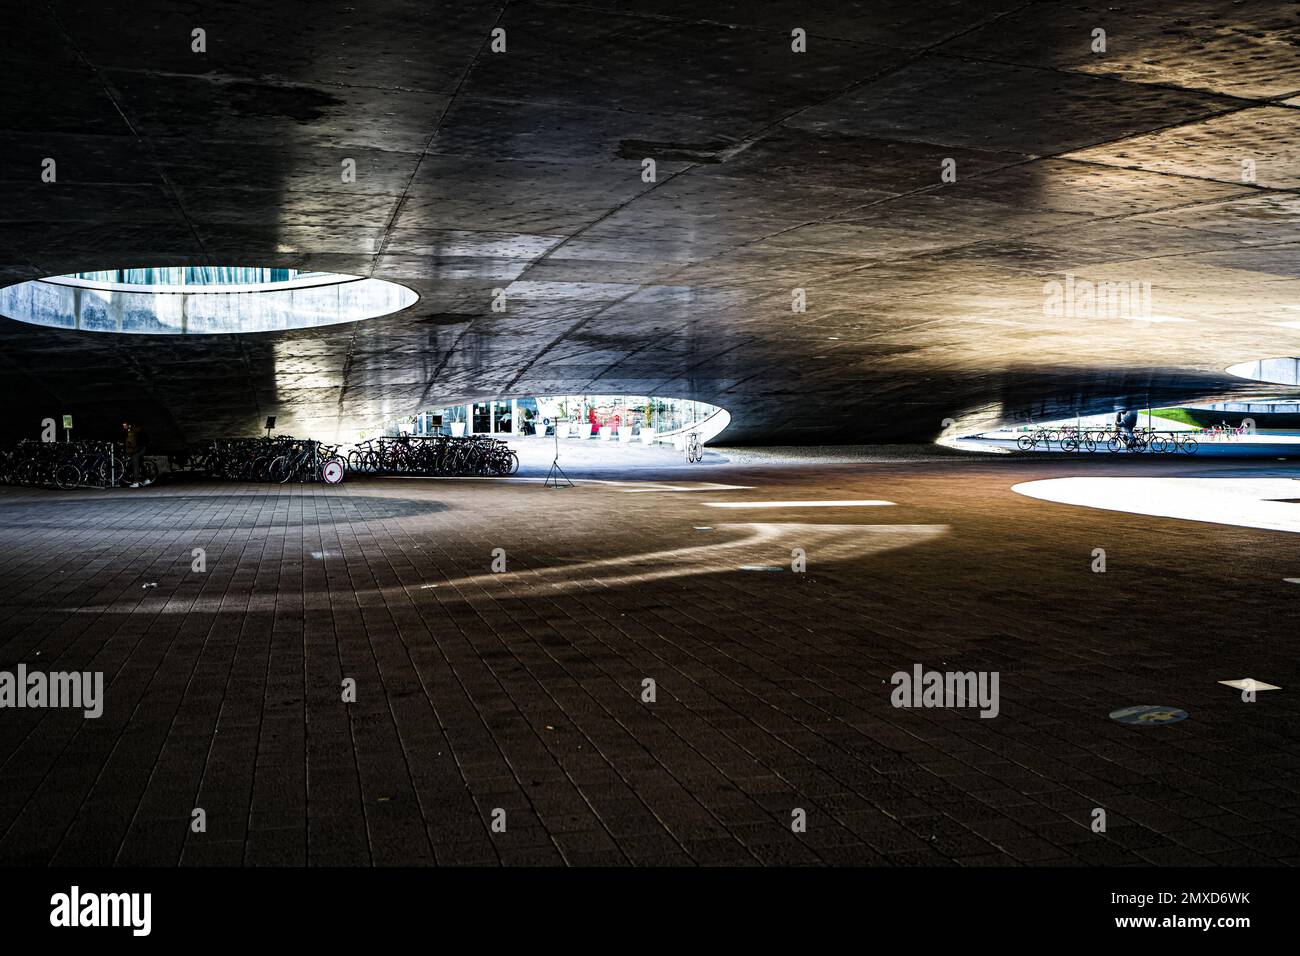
(522, 691)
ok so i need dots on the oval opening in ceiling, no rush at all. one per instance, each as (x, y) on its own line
(201, 300)
(1274, 371)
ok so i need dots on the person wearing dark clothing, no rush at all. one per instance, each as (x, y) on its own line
(1126, 425)
(135, 448)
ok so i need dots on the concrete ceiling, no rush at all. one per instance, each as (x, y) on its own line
(776, 170)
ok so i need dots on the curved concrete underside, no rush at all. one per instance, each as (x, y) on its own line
(522, 171)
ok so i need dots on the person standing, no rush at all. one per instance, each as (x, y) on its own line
(135, 449)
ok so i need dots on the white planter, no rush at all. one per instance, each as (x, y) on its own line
(458, 429)
(562, 429)
(648, 436)
(539, 429)
(605, 433)
(625, 435)
(584, 429)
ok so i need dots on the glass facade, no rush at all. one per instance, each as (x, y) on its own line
(502, 418)
(622, 417)
(191, 276)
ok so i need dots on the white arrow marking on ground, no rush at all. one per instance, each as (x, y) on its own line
(866, 503)
(757, 541)
(643, 486)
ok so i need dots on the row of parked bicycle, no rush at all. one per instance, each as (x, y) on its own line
(78, 464)
(475, 455)
(1224, 432)
(283, 459)
(1090, 440)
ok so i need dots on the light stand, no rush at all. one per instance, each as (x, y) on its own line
(556, 473)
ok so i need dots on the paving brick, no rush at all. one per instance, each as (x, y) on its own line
(522, 691)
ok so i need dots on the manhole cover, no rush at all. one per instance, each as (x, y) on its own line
(1148, 715)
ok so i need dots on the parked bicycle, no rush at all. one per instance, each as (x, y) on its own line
(694, 450)
(79, 464)
(281, 459)
(1075, 439)
(1144, 440)
(307, 460)
(435, 455)
(1070, 438)
(1039, 436)
(1223, 432)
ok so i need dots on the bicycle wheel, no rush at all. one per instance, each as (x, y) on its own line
(1089, 445)
(1025, 442)
(332, 471)
(1157, 445)
(1114, 445)
(67, 475)
(1188, 445)
(1069, 444)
